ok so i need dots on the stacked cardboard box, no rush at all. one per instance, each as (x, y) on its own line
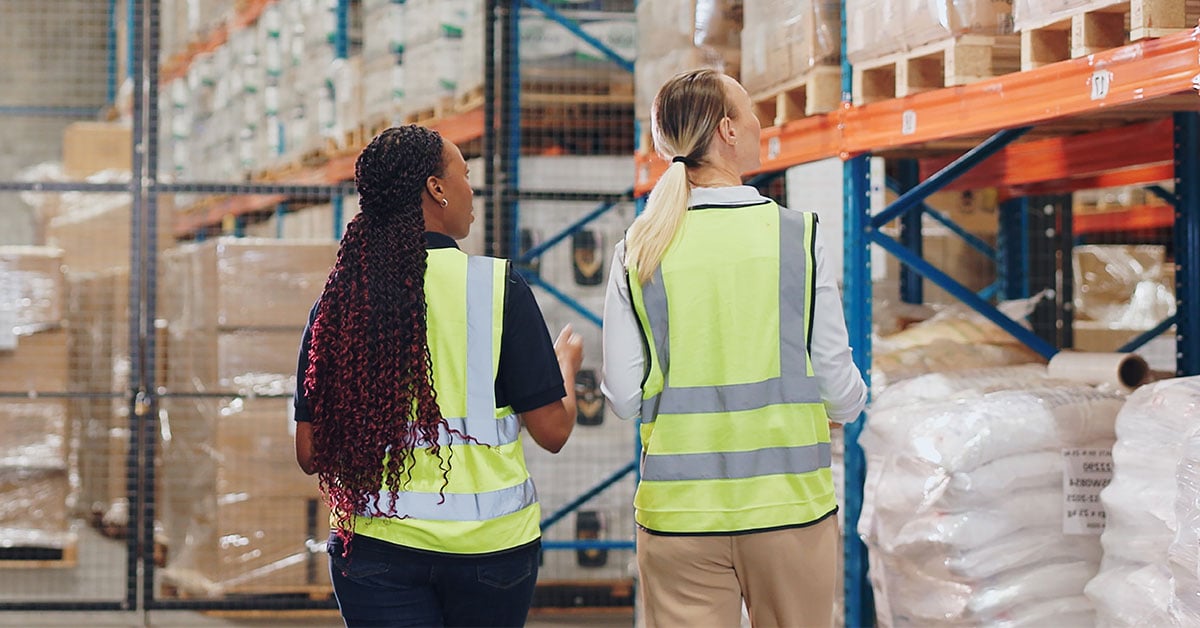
(876, 28)
(93, 232)
(784, 40)
(91, 147)
(239, 515)
(34, 479)
(684, 36)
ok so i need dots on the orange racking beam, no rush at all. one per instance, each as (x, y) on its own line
(1062, 159)
(1139, 72)
(1140, 175)
(1121, 77)
(1132, 219)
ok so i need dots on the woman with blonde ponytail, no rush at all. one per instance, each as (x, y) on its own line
(723, 333)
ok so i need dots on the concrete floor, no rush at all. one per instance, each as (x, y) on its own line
(306, 619)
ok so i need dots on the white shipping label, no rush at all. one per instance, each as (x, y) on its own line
(1085, 473)
(1101, 80)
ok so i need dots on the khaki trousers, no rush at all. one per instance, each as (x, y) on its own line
(786, 577)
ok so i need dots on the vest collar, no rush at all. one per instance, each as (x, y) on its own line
(733, 196)
(434, 240)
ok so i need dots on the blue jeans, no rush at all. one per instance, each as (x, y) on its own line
(410, 588)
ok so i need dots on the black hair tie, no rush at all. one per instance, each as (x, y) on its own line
(679, 159)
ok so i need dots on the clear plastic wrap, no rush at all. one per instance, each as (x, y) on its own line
(1184, 552)
(33, 507)
(239, 515)
(1034, 13)
(965, 508)
(1028, 13)
(954, 339)
(881, 27)
(1123, 286)
(783, 40)
(230, 283)
(31, 286)
(1133, 585)
(678, 36)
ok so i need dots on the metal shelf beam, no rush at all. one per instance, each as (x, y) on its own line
(1132, 77)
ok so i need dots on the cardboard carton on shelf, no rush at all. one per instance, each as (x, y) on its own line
(91, 147)
(232, 283)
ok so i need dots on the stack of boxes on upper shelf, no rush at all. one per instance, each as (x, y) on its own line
(305, 81)
(274, 93)
(787, 54)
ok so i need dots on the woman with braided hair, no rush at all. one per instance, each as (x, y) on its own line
(418, 370)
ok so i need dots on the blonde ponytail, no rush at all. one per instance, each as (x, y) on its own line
(684, 119)
(653, 232)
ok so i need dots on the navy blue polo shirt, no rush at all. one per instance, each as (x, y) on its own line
(528, 377)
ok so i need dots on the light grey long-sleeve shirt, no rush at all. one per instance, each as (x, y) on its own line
(838, 379)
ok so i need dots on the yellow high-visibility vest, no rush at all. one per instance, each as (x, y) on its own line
(734, 434)
(490, 503)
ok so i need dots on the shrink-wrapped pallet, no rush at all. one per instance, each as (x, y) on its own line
(967, 515)
(683, 36)
(952, 340)
(1133, 587)
(783, 40)
(876, 28)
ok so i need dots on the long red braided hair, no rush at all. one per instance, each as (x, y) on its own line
(369, 380)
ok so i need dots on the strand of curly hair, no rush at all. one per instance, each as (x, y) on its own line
(369, 380)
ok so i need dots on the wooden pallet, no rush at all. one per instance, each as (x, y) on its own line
(944, 63)
(562, 92)
(180, 591)
(1103, 25)
(40, 557)
(469, 99)
(818, 91)
(443, 108)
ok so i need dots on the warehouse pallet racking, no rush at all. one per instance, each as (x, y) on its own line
(1121, 116)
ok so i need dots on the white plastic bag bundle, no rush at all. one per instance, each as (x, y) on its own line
(964, 503)
(1184, 553)
(1134, 586)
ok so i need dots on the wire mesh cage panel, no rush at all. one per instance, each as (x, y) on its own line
(179, 179)
(565, 164)
(65, 228)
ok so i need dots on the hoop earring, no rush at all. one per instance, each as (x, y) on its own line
(445, 202)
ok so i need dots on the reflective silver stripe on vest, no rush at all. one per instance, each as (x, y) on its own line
(481, 380)
(734, 465)
(455, 506)
(480, 422)
(794, 385)
(485, 431)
